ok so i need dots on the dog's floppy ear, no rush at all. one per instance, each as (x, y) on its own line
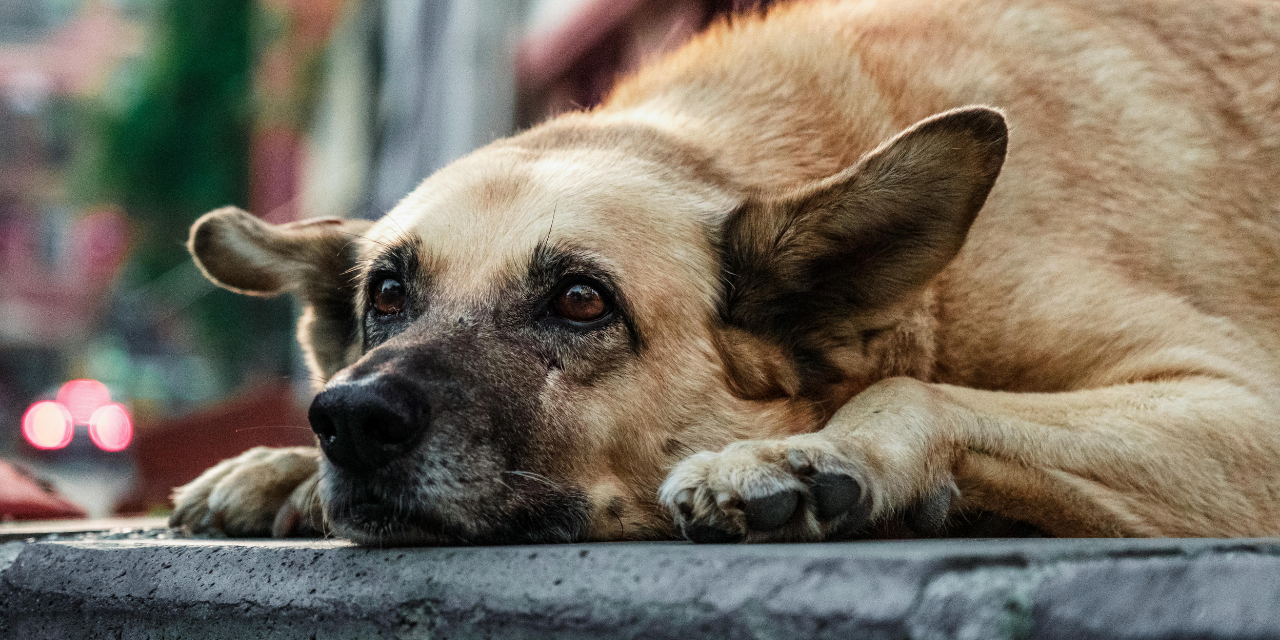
(240, 252)
(865, 238)
(310, 259)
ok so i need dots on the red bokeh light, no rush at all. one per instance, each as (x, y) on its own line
(111, 428)
(48, 425)
(82, 398)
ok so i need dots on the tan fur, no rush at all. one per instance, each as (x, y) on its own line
(248, 494)
(1102, 357)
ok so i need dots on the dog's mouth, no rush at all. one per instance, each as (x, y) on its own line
(374, 514)
(381, 524)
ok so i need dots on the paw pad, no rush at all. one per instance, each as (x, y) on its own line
(772, 511)
(834, 494)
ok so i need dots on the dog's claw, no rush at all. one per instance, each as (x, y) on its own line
(929, 517)
(703, 533)
(286, 522)
(834, 494)
(684, 502)
(796, 489)
(772, 511)
(206, 523)
(800, 462)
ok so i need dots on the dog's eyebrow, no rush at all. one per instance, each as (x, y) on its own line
(400, 256)
(550, 264)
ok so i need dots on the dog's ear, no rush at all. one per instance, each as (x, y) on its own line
(240, 252)
(866, 238)
(310, 259)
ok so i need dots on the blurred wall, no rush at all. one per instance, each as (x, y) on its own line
(447, 87)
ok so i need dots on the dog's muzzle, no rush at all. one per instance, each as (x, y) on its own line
(365, 423)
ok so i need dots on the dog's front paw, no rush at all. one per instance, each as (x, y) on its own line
(263, 491)
(793, 489)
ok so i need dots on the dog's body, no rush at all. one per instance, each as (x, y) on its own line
(1102, 357)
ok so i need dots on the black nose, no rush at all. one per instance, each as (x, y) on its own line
(369, 422)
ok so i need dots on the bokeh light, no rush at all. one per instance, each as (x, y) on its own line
(82, 398)
(47, 425)
(111, 428)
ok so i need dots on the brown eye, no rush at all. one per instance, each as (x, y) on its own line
(388, 296)
(580, 303)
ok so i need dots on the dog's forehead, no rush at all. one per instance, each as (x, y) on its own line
(479, 221)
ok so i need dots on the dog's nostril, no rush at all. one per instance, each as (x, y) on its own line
(320, 421)
(388, 426)
(326, 416)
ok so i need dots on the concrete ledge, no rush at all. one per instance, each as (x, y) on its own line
(165, 588)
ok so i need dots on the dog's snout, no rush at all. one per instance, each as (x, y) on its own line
(365, 424)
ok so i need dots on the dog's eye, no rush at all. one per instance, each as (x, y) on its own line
(388, 297)
(580, 303)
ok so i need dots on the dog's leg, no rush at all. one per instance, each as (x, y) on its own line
(263, 491)
(1181, 457)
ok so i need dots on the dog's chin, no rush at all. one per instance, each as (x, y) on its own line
(377, 526)
(372, 520)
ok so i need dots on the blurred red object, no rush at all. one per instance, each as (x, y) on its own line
(82, 398)
(48, 425)
(174, 452)
(23, 496)
(111, 428)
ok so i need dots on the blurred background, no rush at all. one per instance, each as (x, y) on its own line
(123, 372)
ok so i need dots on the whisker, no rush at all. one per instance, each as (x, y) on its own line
(618, 516)
(547, 238)
(404, 235)
(377, 242)
(534, 476)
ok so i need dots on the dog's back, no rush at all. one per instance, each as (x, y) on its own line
(1136, 223)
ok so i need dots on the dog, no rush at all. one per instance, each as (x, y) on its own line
(847, 269)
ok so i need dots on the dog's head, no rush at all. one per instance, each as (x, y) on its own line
(521, 349)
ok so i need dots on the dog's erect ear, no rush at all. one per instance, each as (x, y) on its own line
(310, 259)
(866, 238)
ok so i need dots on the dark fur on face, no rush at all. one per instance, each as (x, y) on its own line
(468, 478)
(478, 371)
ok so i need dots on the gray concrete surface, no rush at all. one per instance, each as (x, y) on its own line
(137, 585)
